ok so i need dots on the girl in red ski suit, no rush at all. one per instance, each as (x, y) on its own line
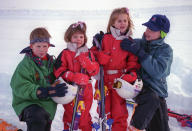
(116, 63)
(68, 66)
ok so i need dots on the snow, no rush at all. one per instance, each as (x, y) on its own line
(16, 26)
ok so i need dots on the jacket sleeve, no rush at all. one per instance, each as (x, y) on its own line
(96, 65)
(22, 82)
(132, 63)
(158, 65)
(103, 55)
(60, 66)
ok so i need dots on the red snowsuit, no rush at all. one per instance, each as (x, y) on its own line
(116, 63)
(68, 66)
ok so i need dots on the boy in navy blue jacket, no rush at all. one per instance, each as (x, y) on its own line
(155, 57)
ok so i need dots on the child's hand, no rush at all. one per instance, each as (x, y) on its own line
(58, 90)
(86, 63)
(131, 77)
(135, 48)
(78, 78)
(130, 45)
(97, 39)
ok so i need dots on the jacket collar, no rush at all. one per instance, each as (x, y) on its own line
(117, 34)
(73, 47)
(38, 60)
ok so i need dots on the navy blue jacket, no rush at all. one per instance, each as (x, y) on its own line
(156, 66)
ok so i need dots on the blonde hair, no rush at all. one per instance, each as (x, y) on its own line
(75, 28)
(39, 33)
(114, 15)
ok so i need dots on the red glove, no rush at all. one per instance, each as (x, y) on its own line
(78, 78)
(131, 77)
(103, 57)
(91, 67)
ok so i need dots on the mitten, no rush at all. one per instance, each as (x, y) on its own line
(131, 77)
(130, 45)
(98, 37)
(78, 78)
(59, 90)
(134, 48)
(91, 67)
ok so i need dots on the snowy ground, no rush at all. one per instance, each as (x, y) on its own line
(16, 27)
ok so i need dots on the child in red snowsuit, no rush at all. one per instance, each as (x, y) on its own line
(117, 63)
(69, 65)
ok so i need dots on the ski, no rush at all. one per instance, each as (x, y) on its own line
(102, 90)
(184, 119)
(75, 109)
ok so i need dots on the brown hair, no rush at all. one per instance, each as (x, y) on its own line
(39, 33)
(114, 15)
(74, 28)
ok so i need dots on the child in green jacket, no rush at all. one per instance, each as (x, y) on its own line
(33, 84)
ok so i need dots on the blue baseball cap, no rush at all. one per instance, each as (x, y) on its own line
(158, 23)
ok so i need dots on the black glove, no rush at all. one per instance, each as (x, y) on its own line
(98, 37)
(135, 48)
(59, 90)
(130, 45)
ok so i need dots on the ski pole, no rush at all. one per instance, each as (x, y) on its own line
(75, 109)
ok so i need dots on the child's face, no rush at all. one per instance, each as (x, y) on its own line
(40, 49)
(78, 38)
(121, 23)
(151, 35)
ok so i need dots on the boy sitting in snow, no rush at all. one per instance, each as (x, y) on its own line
(33, 84)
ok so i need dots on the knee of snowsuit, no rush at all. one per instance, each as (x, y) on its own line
(151, 111)
(85, 118)
(36, 118)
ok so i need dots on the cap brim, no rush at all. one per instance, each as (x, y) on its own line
(151, 26)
